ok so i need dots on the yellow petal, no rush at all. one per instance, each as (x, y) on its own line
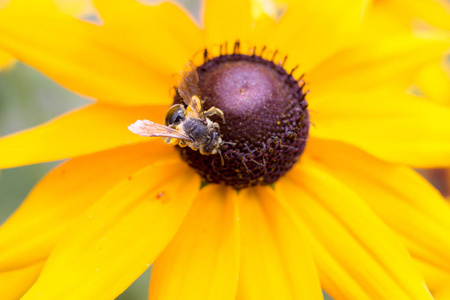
(310, 31)
(382, 21)
(433, 12)
(83, 131)
(377, 64)
(117, 239)
(443, 293)
(149, 33)
(75, 7)
(16, 282)
(46, 7)
(435, 277)
(84, 57)
(353, 248)
(434, 82)
(399, 196)
(276, 262)
(392, 126)
(227, 21)
(437, 280)
(30, 234)
(249, 22)
(202, 261)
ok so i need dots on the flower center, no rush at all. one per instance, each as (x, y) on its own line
(266, 121)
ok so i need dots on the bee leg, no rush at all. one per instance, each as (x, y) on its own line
(221, 157)
(249, 151)
(229, 143)
(182, 143)
(212, 164)
(215, 111)
(250, 157)
(172, 141)
(245, 165)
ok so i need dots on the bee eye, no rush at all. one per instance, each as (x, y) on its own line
(175, 115)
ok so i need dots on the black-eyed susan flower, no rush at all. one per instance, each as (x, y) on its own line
(284, 209)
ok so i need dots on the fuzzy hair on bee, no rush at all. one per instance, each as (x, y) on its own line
(186, 125)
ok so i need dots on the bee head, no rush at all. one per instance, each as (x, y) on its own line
(175, 115)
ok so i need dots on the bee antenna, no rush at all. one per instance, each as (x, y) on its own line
(229, 143)
(221, 157)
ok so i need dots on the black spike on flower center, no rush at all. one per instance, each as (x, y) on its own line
(267, 122)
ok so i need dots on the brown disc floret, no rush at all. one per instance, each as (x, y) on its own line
(266, 120)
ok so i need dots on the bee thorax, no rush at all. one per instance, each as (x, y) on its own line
(195, 129)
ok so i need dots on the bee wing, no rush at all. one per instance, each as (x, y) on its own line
(151, 129)
(189, 90)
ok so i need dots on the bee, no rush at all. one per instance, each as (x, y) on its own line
(186, 124)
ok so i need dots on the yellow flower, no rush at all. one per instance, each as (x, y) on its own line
(433, 80)
(395, 16)
(72, 7)
(347, 217)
